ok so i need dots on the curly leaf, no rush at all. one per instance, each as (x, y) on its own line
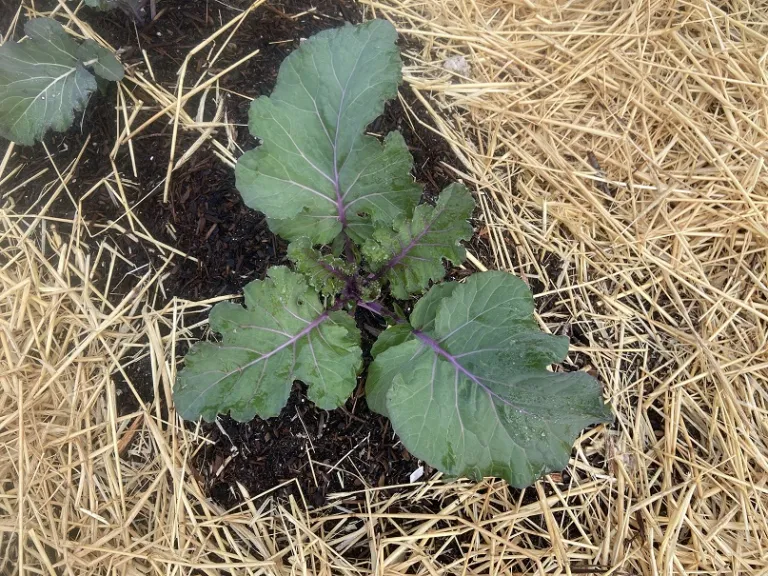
(44, 80)
(326, 273)
(469, 391)
(315, 172)
(412, 254)
(282, 335)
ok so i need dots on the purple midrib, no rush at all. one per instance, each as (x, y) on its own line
(331, 270)
(292, 340)
(404, 251)
(440, 351)
(340, 208)
(336, 184)
(299, 335)
(410, 246)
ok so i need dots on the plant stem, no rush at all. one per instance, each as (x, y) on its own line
(395, 260)
(348, 251)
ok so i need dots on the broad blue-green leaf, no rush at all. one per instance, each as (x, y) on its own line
(411, 255)
(43, 81)
(326, 273)
(316, 172)
(470, 392)
(282, 335)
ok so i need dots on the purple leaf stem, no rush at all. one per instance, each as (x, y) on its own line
(381, 310)
(395, 260)
(266, 356)
(440, 351)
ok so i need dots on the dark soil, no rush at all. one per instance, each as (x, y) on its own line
(205, 217)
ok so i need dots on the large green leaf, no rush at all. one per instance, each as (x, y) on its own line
(411, 255)
(316, 172)
(43, 80)
(469, 391)
(282, 335)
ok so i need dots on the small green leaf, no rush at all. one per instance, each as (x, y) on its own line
(282, 335)
(469, 392)
(316, 173)
(325, 273)
(370, 290)
(411, 255)
(43, 81)
(102, 61)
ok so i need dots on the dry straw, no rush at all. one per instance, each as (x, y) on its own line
(618, 151)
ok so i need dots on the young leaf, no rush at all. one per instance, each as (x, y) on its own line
(316, 173)
(43, 80)
(282, 335)
(469, 391)
(326, 273)
(412, 254)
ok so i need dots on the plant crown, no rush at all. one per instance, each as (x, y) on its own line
(464, 379)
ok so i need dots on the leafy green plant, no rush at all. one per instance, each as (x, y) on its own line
(464, 379)
(46, 78)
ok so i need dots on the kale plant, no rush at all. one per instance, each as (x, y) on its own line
(464, 379)
(45, 79)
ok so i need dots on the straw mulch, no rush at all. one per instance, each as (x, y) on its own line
(618, 150)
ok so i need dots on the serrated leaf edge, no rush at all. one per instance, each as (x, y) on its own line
(291, 341)
(404, 250)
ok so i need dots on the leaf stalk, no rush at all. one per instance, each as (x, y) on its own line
(381, 310)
